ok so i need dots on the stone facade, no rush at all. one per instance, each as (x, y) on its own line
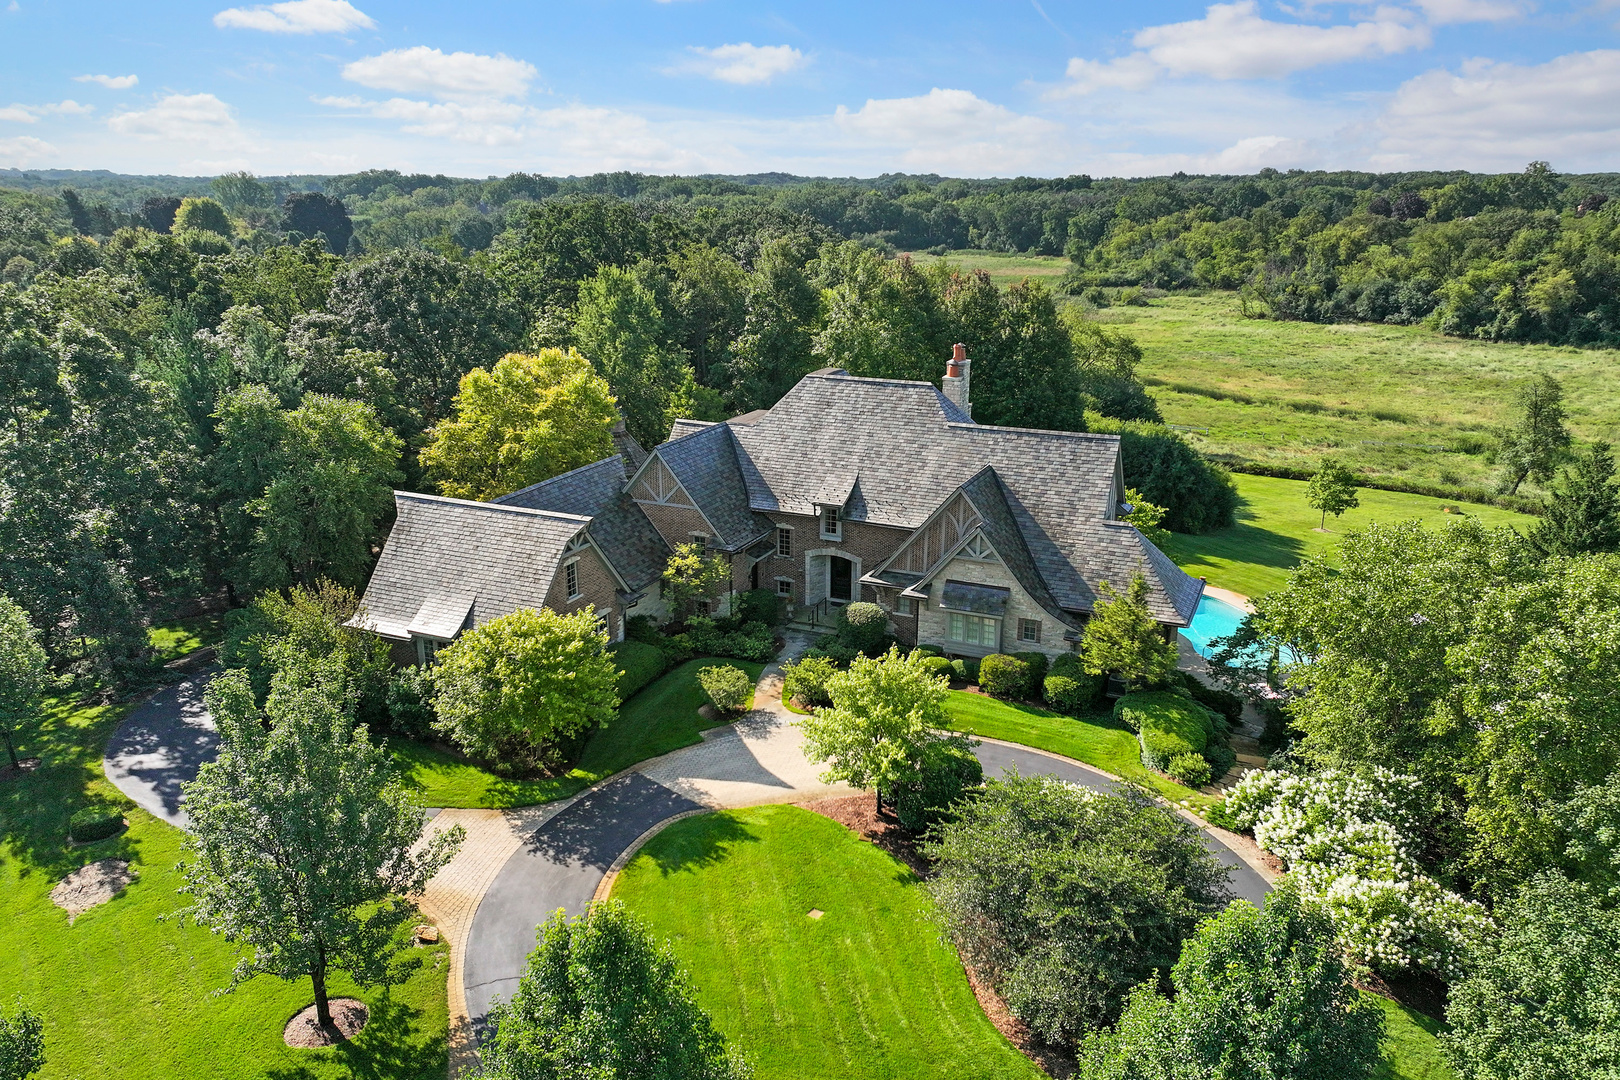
(933, 622)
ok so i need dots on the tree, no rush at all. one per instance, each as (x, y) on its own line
(203, 215)
(157, 212)
(303, 837)
(312, 214)
(601, 998)
(511, 687)
(1145, 517)
(886, 716)
(22, 1044)
(1107, 360)
(1538, 440)
(1122, 637)
(526, 420)
(618, 325)
(1593, 851)
(783, 307)
(302, 490)
(240, 191)
(1543, 1000)
(24, 672)
(691, 575)
(1258, 993)
(1332, 490)
(1584, 512)
(1064, 897)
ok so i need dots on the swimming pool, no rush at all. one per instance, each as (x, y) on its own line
(1213, 619)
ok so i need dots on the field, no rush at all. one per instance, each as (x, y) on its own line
(1398, 401)
(661, 718)
(866, 992)
(1003, 269)
(126, 995)
(1276, 529)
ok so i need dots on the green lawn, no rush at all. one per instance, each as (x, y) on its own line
(867, 991)
(661, 718)
(1095, 740)
(1003, 269)
(124, 995)
(1276, 529)
(1409, 1040)
(172, 640)
(1403, 401)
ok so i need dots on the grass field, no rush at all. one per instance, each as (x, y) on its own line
(661, 718)
(172, 640)
(1003, 269)
(866, 992)
(126, 996)
(1399, 401)
(1276, 529)
(1095, 740)
(1409, 1040)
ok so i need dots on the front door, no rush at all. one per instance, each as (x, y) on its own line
(843, 579)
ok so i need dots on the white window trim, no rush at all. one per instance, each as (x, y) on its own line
(837, 518)
(784, 532)
(571, 579)
(788, 592)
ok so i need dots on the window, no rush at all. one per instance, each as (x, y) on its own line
(974, 630)
(701, 542)
(829, 522)
(1029, 630)
(571, 575)
(784, 587)
(702, 606)
(902, 605)
(427, 650)
(784, 543)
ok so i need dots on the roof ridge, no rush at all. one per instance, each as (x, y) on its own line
(997, 428)
(541, 483)
(497, 507)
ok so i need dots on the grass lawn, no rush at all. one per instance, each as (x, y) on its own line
(1095, 740)
(1003, 269)
(1403, 401)
(661, 718)
(867, 991)
(1276, 529)
(172, 640)
(1409, 1040)
(124, 995)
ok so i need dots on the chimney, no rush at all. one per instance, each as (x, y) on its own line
(955, 383)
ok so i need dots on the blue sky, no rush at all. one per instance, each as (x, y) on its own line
(1038, 87)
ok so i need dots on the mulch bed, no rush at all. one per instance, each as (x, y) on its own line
(348, 1017)
(24, 767)
(859, 814)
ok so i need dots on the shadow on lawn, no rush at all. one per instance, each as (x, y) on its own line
(35, 807)
(698, 843)
(387, 1048)
(1244, 541)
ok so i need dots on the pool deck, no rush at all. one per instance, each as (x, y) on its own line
(1237, 600)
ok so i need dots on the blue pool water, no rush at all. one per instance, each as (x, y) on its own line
(1213, 619)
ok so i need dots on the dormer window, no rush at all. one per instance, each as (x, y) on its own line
(829, 523)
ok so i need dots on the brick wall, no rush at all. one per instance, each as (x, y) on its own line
(866, 545)
(676, 524)
(597, 588)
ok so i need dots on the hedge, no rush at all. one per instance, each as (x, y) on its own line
(639, 664)
(1224, 702)
(95, 823)
(1189, 769)
(1036, 662)
(1067, 686)
(966, 669)
(1003, 676)
(938, 665)
(1523, 504)
(1167, 725)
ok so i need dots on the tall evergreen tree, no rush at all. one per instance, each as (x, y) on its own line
(1584, 512)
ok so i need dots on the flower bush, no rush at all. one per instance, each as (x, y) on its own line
(1348, 841)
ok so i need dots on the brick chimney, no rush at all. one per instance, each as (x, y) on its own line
(955, 384)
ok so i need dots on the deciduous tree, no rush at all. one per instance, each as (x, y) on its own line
(303, 842)
(203, 215)
(22, 1043)
(692, 574)
(1332, 490)
(24, 672)
(1538, 440)
(529, 418)
(312, 214)
(618, 326)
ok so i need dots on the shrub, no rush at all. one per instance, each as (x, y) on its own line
(642, 628)
(754, 641)
(95, 823)
(946, 771)
(1221, 758)
(930, 650)
(677, 649)
(938, 665)
(1003, 676)
(761, 606)
(729, 689)
(1224, 702)
(1167, 725)
(638, 663)
(863, 626)
(807, 680)
(1189, 769)
(967, 669)
(1069, 688)
(410, 702)
(1198, 496)
(833, 648)
(1037, 663)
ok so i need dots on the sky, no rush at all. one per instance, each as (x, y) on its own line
(832, 87)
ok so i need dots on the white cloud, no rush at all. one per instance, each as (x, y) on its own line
(946, 130)
(297, 17)
(1134, 72)
(1441, 12)
(181, 118)
(459, 76)
(490, 123)
(24, 150)
(1232, 41)
(743, 63)
(1492, 114)
(111, 82)
(29, 114)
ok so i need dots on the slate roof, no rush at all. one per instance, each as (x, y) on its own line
(618, 527)
(682, 428)
(707, 465)
(444, 552)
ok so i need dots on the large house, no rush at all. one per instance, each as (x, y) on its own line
(973, 538)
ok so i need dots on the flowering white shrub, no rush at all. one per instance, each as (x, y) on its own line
(1347, 840)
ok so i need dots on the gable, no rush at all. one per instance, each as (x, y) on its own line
(938, 537)
(657, 485)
